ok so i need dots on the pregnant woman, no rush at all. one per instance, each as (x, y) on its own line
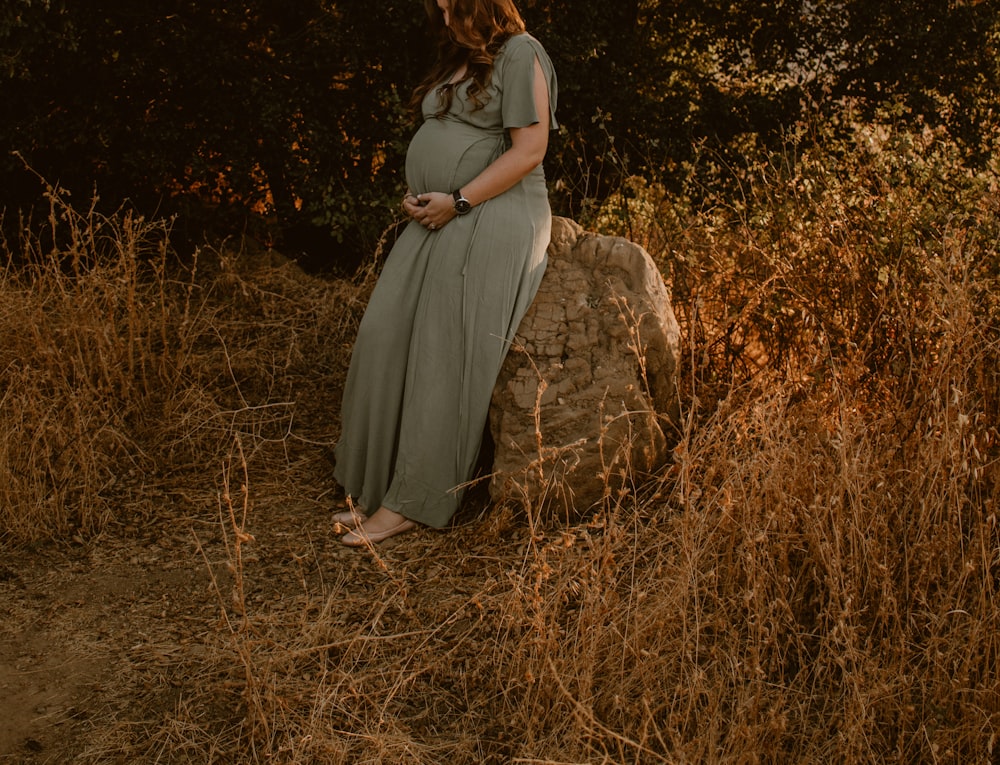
(459, 278)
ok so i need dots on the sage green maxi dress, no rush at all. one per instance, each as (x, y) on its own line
(446, 306)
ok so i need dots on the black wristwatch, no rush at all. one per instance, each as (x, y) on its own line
(462, 205)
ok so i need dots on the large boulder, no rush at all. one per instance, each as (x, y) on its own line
(587, 397)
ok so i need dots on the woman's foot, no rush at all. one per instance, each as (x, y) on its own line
(348, 519)
(380, 526)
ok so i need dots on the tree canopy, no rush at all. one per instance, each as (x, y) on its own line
(289, 120)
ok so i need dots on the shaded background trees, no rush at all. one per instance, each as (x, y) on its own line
(289, 121)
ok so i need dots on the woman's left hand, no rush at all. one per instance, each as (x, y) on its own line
(432, 209)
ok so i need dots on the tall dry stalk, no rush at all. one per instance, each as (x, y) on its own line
(814, 579)
(76, 360)
(124, 366)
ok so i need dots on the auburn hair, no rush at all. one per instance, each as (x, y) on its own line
(478, 30)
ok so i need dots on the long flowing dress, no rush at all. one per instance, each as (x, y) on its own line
(446, 305)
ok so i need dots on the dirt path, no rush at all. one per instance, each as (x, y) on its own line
(106, 644)
(83, 627)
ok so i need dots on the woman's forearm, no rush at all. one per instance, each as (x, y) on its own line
(507, 171)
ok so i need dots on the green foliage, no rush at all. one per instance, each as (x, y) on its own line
(290, 119)
(212, 110)
(858, 248)
(835, 257)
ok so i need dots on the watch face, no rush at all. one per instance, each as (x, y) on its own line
(462, 206)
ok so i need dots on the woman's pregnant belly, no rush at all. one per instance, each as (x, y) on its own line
(446, 154)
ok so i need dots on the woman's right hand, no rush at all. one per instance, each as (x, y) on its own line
(431, 210)
(411, 205)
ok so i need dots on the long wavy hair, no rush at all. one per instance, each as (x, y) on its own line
(478, 30)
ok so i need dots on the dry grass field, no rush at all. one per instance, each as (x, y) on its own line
(813, 579)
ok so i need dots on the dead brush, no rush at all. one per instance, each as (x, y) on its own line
(814, 579)
(75, 361)
(807, 593)
(122, 364)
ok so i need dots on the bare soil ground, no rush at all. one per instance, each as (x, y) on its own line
(99, 639)
(105, 643)
(91, 635)
(119, 648)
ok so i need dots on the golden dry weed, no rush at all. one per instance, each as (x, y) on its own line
(813, 579)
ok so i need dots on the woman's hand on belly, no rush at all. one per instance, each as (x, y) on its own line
(432, 209)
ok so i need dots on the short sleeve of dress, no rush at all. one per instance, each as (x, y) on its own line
(517, 80)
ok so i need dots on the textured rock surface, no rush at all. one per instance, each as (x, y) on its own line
(589, 388)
